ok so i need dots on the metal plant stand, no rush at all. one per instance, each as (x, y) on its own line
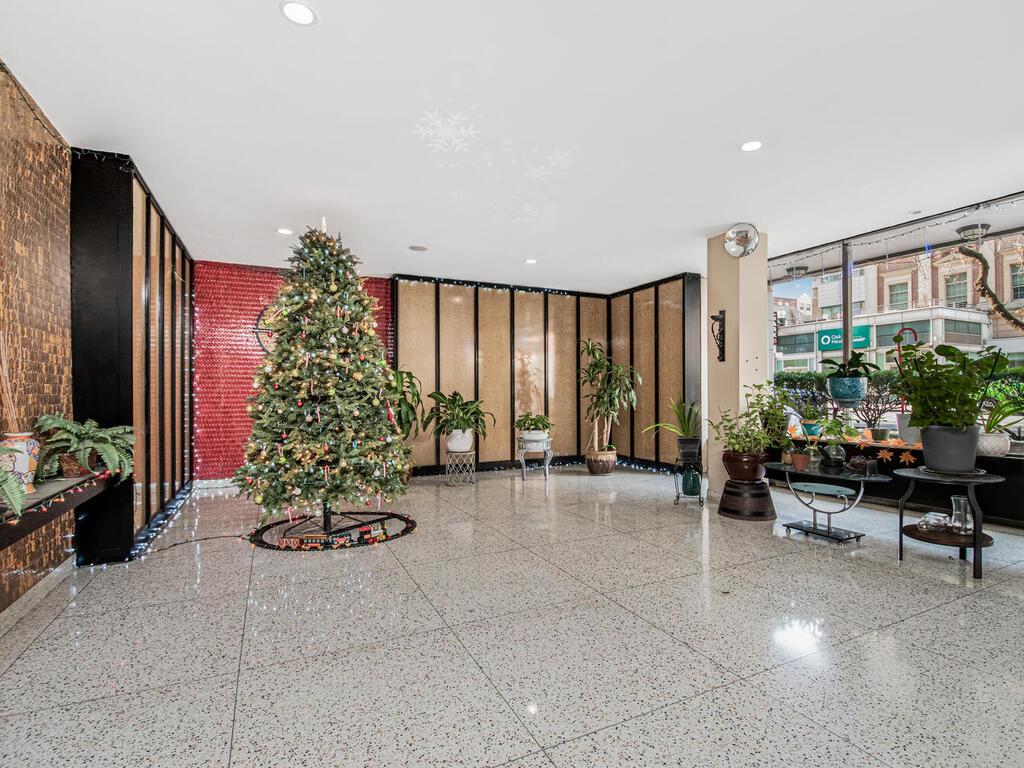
(460, 467)
(977, 540)
(838, 494)
(534, 446)
(678, 471)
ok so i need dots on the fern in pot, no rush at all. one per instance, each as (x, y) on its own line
(457, 419)
(72, 449)
(946, 389)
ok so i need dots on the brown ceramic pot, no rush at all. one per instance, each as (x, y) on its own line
(601, 462)
(744, 467)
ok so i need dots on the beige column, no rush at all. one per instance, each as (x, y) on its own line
(740, 287)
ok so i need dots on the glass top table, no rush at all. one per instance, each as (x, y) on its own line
(847, 498)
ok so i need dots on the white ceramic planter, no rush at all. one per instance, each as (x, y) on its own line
(459, 441)
(907, 433)
(534, 436)
(22, 463)
(993, 444)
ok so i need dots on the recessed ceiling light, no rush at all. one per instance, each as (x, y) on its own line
(298, 13)
(531, 261)
(283, 231)
(751, 146)
(419, 248)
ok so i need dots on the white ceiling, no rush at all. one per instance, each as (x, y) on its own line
(599, 137)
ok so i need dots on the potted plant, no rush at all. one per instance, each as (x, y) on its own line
(457, 419)
(810, 413)
(744, 442)
(12, 491)
(611, 387)
(996, 418)
(847, 381)
(800, 457)
(22, 450)
(772, 406)
(829, 441)
(407, 403)
(686, 428)
(946, 389)
(882, 397)
(533, 429)
(74, 449)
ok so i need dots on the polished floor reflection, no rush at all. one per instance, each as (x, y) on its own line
(586, 623)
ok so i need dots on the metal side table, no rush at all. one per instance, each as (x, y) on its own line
(460, 467)
(837, 493)
(524, 447)
(976, 541)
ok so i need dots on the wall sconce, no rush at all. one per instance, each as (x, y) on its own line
(718, 333)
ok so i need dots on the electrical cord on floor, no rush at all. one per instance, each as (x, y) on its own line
(240, 536)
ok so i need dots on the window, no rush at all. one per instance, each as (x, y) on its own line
(858, 307)
(801, 364)
(885, 332)
(956, 290)
(1016, 359)
(963, 326)
(1016, 281)
(831, 312)
(899, 295)
(797, 343)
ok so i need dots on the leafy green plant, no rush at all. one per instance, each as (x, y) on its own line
(113, 446)
(687, 420)
(529, 422)
(741, 433)
(453, 412)
(855, 367)
(883, 396)
(1002, 415)
(946, 387)
(835, 430)
(611, 387)
(407, 403)
(810, 411)
(771, 406)
(12, 492)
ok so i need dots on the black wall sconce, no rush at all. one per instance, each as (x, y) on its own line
(718, 333)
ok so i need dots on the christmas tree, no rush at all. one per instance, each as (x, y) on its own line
(324, 436)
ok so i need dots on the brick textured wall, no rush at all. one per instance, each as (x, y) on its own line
(228, 301)
(35, 299)
(35, 256)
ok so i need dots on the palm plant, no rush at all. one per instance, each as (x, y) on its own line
(612, 387)
(687, 420)
(112, 446)
(407, 403)
(453, 413)
(12, 491)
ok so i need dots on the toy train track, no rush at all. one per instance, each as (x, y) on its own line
(347, 529)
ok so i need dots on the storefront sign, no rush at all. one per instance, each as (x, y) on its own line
(832, 339)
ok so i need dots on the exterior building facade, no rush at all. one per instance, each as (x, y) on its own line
(933, 293)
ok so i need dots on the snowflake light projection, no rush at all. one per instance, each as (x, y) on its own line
(450, 132)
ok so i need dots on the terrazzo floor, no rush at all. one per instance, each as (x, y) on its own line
(586, 623)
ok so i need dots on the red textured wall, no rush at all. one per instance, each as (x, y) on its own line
(228, 300)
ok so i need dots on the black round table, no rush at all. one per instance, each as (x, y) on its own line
(977, 541)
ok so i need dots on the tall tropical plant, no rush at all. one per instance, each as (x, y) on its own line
(407, 403)
(453, 412)
(611, 387)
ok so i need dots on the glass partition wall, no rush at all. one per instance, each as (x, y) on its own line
(914, 276)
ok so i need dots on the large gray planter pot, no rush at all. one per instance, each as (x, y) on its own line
(950, 450)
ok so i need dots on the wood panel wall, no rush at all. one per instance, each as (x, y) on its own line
(517, 350)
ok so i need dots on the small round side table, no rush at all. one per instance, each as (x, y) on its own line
(460, 467)
(976, 541)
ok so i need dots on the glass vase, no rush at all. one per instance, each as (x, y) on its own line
(961, 521)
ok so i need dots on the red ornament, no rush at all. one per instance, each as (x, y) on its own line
(284, 435)
(299, 403)
(362, 357)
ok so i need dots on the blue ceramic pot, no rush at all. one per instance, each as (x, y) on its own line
(848, 392)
